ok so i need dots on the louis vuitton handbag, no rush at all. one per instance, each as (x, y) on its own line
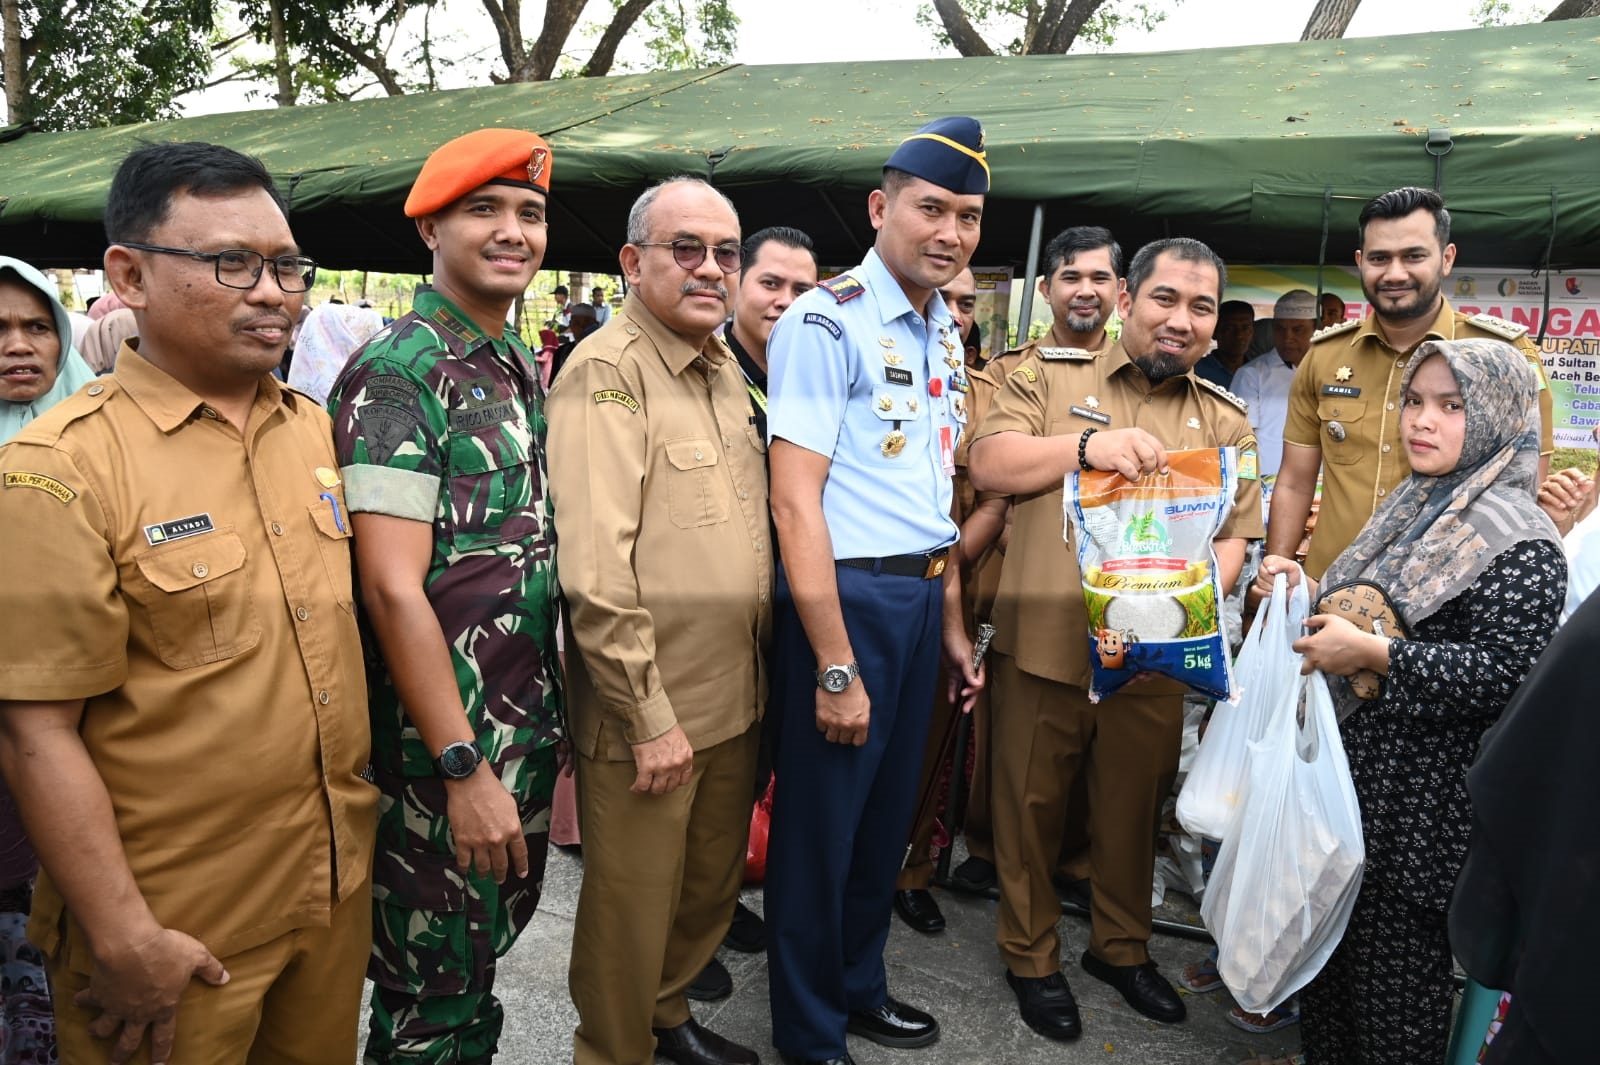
(1367, 607)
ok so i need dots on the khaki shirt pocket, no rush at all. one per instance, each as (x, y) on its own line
(333, 544)
(1343, 433)
(198, 599)
(757, 441)
(695, 494)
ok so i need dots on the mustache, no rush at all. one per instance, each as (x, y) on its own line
(695, 286)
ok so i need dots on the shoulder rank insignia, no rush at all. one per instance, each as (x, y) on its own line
(842, 288)
(1498, 326)
(1212, 386)
(1335, 329)
(1069, 354)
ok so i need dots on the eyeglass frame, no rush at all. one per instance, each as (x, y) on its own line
(689, 243)
(215, 258)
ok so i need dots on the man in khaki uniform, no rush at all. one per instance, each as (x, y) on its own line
(1118, 410)
(1344, 404)
(665, 557)
(182, 707)
(1079, 283)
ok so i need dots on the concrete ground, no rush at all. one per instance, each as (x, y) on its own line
(956, 975)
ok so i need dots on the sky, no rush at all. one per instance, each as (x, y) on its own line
(823, 31)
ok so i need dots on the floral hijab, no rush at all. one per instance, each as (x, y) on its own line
(1431, 539)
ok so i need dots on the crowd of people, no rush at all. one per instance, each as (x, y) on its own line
(743, 528)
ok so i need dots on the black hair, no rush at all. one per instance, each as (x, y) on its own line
(152, 174)
(1184, 249)
(1402, 202)
(1236, 307)
(1066, 245)
(788, 236)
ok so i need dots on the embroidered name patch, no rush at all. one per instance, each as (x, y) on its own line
(1347, 391)
(612, 395)
(478, 417)
(178, 529)
(1093, 415)
(42, 483)
(813, 318)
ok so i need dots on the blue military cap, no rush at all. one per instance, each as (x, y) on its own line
(948, 152)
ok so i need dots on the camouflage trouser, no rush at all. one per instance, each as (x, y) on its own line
(436, 932)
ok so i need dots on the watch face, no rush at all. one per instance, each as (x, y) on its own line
(458, 760)
(836, 679)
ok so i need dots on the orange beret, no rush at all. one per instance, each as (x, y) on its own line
(498, 156)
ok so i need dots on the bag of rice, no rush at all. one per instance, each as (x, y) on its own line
(1150, 571)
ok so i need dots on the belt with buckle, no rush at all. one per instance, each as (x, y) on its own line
(927, 565)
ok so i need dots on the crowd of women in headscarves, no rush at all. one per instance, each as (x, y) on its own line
(1475, 765)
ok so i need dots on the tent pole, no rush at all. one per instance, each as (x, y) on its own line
(1030, 274)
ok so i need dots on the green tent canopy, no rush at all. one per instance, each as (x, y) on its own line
(1265, 152)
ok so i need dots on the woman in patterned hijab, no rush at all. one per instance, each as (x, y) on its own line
(1477, 574)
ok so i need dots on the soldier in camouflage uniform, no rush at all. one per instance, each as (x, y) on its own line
(440, 429)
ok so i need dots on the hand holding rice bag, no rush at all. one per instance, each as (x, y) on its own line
(1150, 572)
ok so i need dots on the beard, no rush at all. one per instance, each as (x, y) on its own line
(1086, 321)
(1158, 366)
(1424, 301)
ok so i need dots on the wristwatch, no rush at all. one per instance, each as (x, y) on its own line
(836, 679)
(458, 760)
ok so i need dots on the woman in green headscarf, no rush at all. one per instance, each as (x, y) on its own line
(39, 367)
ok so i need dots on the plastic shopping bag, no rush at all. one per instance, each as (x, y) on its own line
(1287, 876)
(1267, 668)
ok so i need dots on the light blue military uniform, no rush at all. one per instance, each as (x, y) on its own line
(851, 363)
(860, 376)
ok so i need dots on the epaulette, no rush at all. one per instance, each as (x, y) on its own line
(842, 288)
(1223, 392)
(1065, 354)
(85, 401)
(1498, 326)
(1335, 329)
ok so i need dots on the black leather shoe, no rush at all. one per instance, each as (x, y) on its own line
(1145, 989)
(748, 933)
(894, 1024)
(712, 984)
(691, 1043)
(975, 875)
(843, 1059)
(918, 910)
(1047, 1005)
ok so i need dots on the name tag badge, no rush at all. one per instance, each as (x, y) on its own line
(178, 529)
(947, 450)
(1093, 415)
(896, 375)
(1347, 391)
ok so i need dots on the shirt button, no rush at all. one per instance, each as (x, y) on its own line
(698, 454)
(743, 494)
(1386, 449)
(207, 412)
(322, 697)
(758, 549)
(200, 569)
(302, 613)
(1391, 406)
(1383, 491)
(763, 597)
(277, 530)
(95, 390)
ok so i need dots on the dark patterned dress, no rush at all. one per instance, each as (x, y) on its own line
(1385, 995)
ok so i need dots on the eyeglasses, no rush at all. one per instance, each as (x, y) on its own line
(689, 253)
(241, 268)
